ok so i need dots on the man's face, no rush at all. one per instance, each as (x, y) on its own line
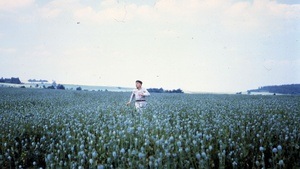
(138, 85)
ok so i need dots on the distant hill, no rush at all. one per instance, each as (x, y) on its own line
(281, 89)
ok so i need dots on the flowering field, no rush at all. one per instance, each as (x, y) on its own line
(79, 129)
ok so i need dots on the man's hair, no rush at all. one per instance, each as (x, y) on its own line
(138, 81)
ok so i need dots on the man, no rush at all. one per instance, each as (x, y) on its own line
(140, 96)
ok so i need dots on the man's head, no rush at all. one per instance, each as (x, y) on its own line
(138, 84)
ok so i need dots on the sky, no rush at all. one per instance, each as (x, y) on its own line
(195, 45)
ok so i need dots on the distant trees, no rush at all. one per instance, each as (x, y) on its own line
(61, 87)
(51, 87)
(281, 89)
(10, 80)
(55, 86)
(156, 90)
(161, 90)
(35, 81)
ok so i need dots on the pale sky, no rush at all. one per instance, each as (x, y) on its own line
(195, 45)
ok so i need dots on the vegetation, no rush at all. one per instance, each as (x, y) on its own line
(10, 80)
(161, 90)
(72, 129)
(39, 81)
(61, 87)
(281, 89)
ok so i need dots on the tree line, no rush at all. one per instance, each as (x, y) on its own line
(281, 89)
(161, 90)
(12, 80)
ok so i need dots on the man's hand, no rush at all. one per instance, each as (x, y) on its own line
(128, 103)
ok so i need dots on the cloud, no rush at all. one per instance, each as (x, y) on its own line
(48, 12)
(12, 5)
(7, 50)
(56, 8)
(240, 15)
(109, 11)
(232, 15)
(259, 15)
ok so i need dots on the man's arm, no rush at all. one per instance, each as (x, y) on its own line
(146, 93)
(131, 97)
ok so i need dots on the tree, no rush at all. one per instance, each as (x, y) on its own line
(50, 87)
(161, 90)
(60, 86)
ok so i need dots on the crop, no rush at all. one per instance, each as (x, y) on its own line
(79, 129)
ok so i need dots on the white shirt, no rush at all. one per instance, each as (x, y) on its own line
(137, 94)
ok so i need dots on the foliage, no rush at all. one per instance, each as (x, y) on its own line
(51, 87)
(161, 90)
(72, 129)
(35, 81)
(60, 86)
(281, 89)
(10, 80)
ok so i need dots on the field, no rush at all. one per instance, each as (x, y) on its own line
(43, 128)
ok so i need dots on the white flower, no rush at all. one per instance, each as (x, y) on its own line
(198, 156)
(274, 150)
(261, 148)
(94, 154)
(100, 166)
(171, 139)
(141, 155)
(257, 163)
(281, 162)
(133, 152)
(279, 147)
(122, 151)
(49, 157)
(179, 143)
(91, 161)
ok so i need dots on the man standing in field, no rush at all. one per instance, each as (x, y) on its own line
(140, 96)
